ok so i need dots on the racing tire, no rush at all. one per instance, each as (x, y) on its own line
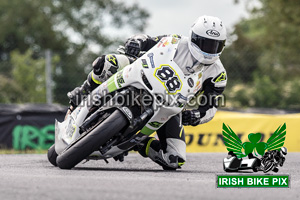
(91, 142)
(52, 155)
(255, 169)
(256, 165)
(275, 170)
(168, 168)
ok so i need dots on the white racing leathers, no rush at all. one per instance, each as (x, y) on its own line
(213, 83)
(170, 150)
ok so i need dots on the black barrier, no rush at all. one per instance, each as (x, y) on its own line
(28, 126)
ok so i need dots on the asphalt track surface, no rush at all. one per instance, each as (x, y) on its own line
(33, 177)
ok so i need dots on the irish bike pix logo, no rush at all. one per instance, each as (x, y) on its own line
(272, 153)
(254, 155)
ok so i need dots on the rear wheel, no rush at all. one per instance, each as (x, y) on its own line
(256, 165)
(91, 142)
(52, 155)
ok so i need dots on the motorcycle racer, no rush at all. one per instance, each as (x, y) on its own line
(199, 51)
(272, 159)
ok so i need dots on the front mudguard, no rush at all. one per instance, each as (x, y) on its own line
(60, 145)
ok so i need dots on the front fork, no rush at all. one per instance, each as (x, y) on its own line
(129, 135)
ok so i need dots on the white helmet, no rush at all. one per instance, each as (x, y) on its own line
(207, 39)
(283, 151)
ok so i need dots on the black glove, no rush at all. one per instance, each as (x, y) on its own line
(132, 47)
(191, 117)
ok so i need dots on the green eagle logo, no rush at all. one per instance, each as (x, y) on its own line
(233, 142)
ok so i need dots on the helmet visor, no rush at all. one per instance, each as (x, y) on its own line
(208, 45)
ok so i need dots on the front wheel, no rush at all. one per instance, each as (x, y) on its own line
(52, 155)
(91, 142)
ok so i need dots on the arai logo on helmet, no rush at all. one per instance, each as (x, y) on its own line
(213, 33)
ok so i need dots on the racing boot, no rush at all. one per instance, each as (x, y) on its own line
(143, 147)
(152, 148)
(80, 93)
(103, 68)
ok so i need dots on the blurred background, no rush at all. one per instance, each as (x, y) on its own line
(47, 47)
(261, 55)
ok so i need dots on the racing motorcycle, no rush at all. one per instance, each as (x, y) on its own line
(105, 125)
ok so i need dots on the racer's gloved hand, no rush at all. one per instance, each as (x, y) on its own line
(191, 117)
(132, 47)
